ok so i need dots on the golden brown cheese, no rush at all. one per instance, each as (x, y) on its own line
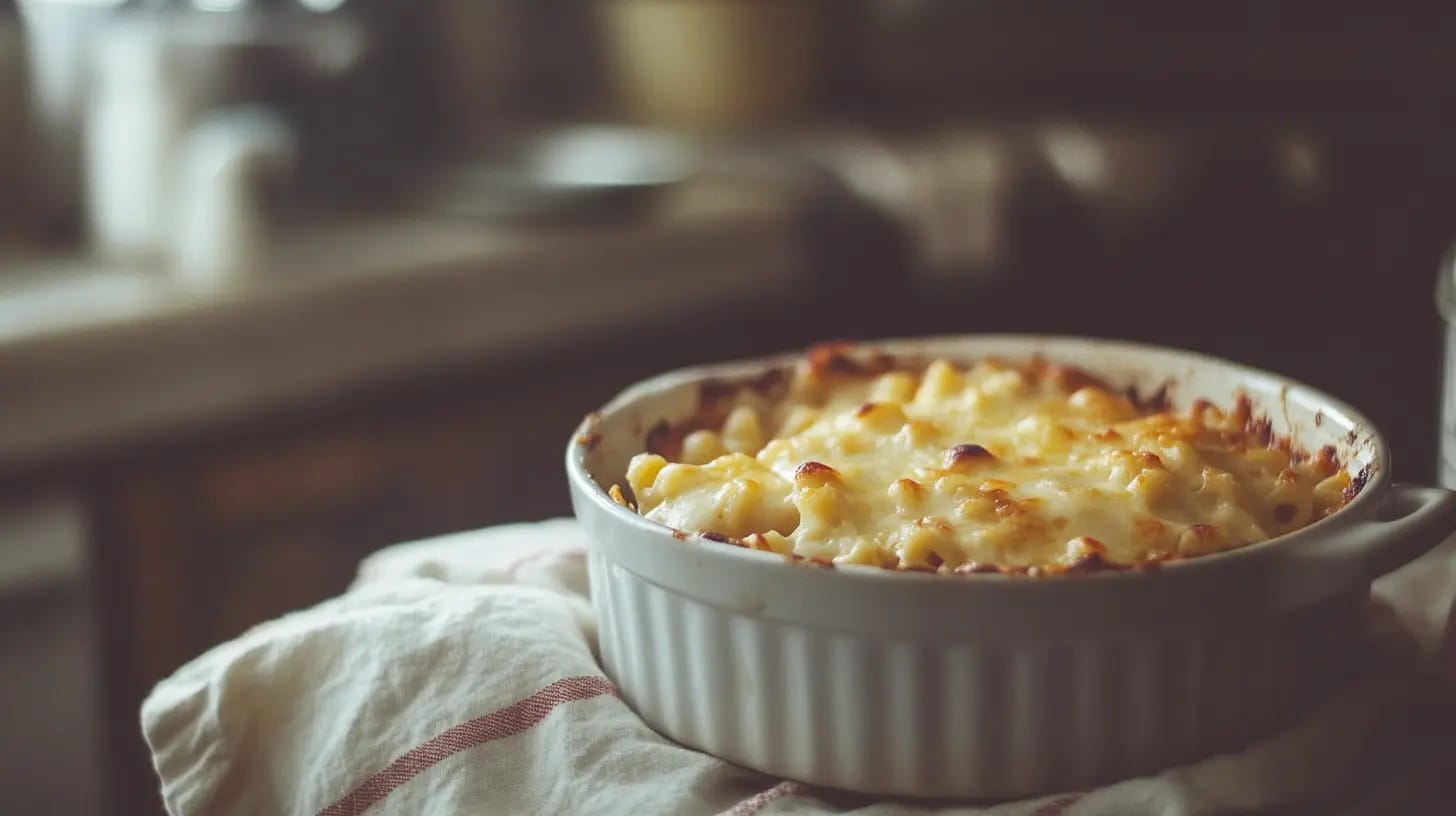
(1031, 466)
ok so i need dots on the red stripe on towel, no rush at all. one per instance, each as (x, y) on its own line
(753, 804)
(1058, 806)
(506, 722)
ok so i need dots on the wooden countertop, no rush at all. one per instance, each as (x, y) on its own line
(95, 355)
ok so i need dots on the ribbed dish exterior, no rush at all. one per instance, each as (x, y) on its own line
(985, 686)
(942, 716)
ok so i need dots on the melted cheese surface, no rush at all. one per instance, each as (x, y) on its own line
(1029, 466)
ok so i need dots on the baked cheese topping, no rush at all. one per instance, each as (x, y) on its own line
(988, 467)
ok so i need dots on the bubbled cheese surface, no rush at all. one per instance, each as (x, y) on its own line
(1028, 466)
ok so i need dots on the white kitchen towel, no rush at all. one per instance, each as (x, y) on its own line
(459, 675)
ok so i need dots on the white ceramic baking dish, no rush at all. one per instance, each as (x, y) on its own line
(988, 686)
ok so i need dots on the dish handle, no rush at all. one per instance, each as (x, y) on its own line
(1409, 521)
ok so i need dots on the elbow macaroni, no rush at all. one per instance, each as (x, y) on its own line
(992, 466)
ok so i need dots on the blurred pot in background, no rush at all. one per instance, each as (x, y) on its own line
(715, 64)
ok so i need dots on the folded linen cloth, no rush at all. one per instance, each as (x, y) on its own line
(458, 675)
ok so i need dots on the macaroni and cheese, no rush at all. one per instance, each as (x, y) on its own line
(994, 466)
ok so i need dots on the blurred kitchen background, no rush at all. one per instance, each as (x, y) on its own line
(285, 282)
